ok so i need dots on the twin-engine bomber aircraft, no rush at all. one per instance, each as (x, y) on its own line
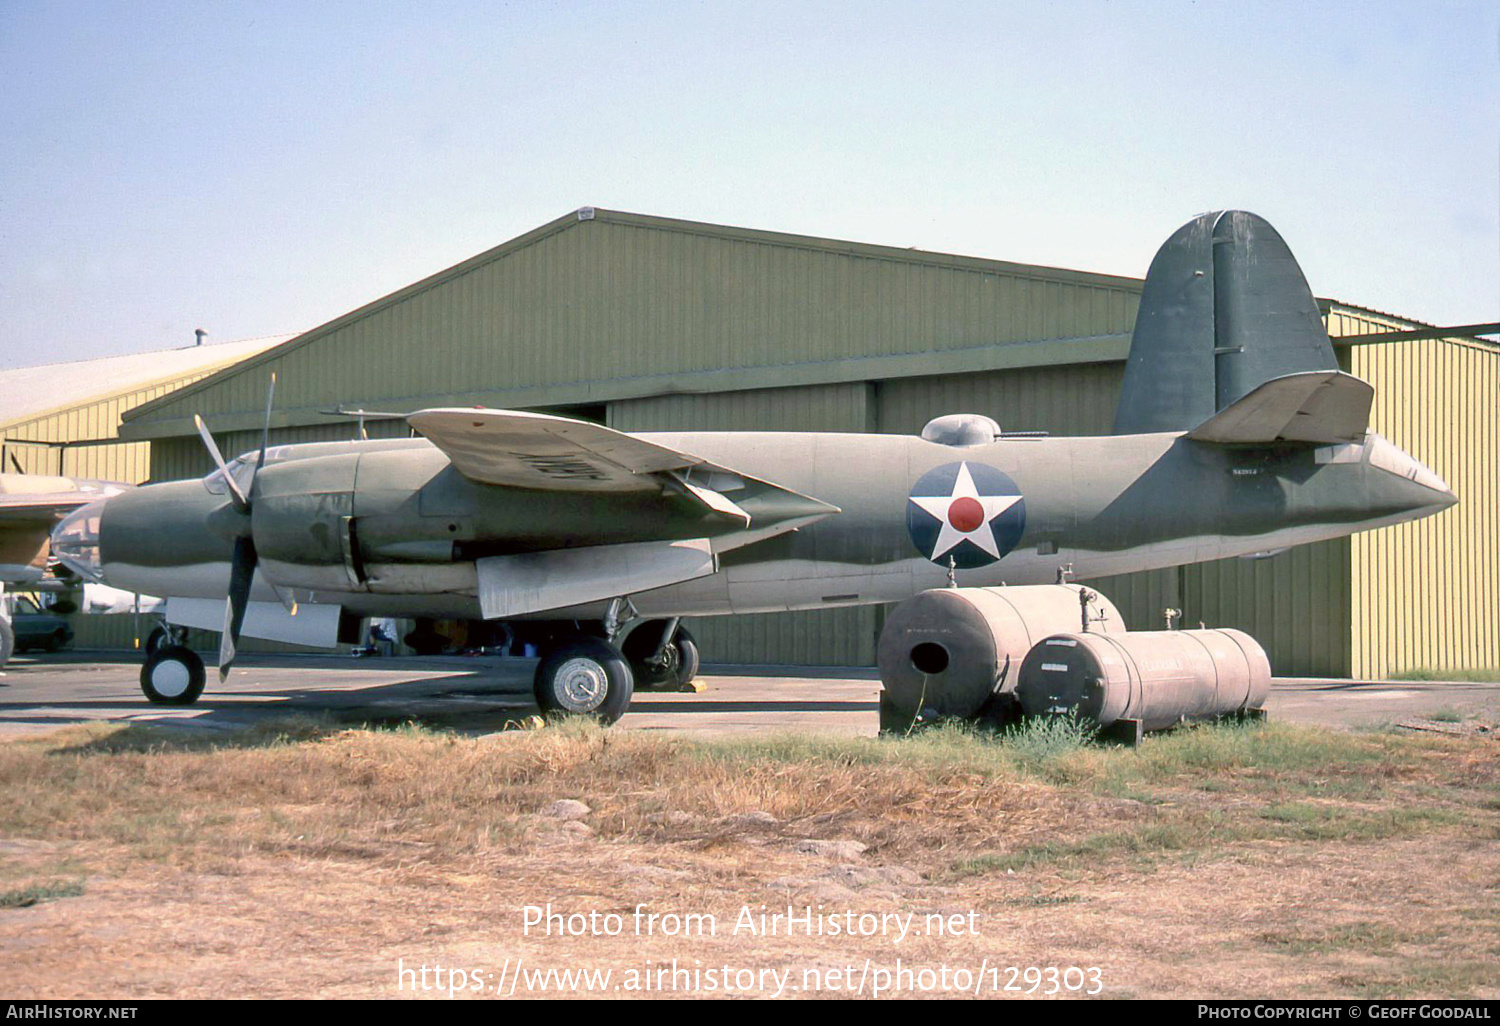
(1236, 434)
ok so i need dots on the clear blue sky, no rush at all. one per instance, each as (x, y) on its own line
(261, 167)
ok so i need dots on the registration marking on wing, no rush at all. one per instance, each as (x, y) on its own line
(571, 468)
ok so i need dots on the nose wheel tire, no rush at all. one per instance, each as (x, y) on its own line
(584, 677)
(173, 675)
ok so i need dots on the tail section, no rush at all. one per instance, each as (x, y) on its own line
(1224, 310)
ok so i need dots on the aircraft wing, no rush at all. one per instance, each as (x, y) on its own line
(540, 451)
(537, 450)
(1313, 407)
(41, 508)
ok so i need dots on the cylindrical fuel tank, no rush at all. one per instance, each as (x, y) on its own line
(949, 649)
(1160, 678)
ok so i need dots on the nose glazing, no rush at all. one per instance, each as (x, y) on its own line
(75, 541)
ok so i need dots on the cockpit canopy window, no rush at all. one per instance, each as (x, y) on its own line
(240, 468)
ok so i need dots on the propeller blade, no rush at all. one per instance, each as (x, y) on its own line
(242, 570)
(240, 501)
(241, 573)
(265, 434)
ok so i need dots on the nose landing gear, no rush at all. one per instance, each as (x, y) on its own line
(173, 675)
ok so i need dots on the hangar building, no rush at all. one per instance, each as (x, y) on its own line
(63, 419)
(651, 323)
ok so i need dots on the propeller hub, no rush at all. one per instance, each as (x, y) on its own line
(228, 521)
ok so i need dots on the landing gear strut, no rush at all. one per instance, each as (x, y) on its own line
(165, 634)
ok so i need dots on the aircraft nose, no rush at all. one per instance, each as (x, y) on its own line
(75, 541)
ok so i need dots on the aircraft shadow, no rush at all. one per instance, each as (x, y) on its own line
(481, 695)
(716, 706)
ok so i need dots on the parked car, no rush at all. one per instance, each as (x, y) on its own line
(35, 627)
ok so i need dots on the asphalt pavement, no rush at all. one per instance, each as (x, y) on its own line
(484, 694)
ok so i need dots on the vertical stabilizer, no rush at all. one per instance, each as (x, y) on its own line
(1225, 308)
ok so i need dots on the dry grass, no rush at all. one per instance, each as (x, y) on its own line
(304, 857)
(1483, 676)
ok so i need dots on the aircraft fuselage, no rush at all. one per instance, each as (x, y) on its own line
(391, 528)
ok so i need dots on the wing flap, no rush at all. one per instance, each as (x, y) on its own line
(316, 626)
(1312, 407)
(716, 502)
(532, 582)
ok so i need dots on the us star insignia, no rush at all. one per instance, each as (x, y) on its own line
(965, 514)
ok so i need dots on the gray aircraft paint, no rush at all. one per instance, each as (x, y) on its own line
(1110, 505)
(1224, 307)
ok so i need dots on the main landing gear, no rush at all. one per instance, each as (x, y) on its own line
(584, 676)
(663, 656)
(587, 675)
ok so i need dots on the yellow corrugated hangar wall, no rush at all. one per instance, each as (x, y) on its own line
(1428, 592)
(656, 324)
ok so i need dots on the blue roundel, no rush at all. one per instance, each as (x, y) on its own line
(969, 513)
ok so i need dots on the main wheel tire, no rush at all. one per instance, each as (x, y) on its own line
(584, 677)
(58, 641)
(679, 661)
(688, 650)
(173, 675)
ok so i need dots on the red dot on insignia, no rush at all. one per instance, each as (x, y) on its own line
(966, 514)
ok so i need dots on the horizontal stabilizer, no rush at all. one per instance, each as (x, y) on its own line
(1315, 407)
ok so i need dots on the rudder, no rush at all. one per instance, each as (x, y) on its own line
(1224, 309)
